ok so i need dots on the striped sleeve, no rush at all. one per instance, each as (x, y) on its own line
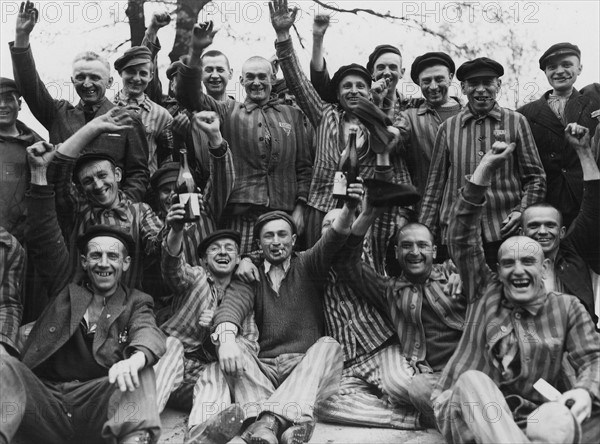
(531, 171)
(12, 272)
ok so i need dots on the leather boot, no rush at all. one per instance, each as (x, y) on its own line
(300, 432)
(138, 437)
(265, 430)
(220, 428)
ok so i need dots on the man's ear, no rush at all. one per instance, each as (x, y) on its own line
(109, 83)
(434, 251)
(126, 263)
(83, 261)
(118, 174)
(463, 88)
(402, 71)
(545, 267)
(294, 237)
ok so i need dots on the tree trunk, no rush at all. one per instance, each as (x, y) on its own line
(187, 16)
(137, 28)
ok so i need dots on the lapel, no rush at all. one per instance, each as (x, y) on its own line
(575, 106)
(546, 117)
(115, 305)
(80, 298)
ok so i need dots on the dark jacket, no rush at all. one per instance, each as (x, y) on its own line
(129, 324)
(564, 177)
(129, 148)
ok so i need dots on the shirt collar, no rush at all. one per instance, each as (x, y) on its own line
(426, 107)
(94, 108)
(532, 308)
(251, 106)
(467, 115)
(286, 265)
(123, 99)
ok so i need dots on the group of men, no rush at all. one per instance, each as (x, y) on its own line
(281, 305)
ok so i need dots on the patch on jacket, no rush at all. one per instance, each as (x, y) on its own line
(124, 336)
(286, 127)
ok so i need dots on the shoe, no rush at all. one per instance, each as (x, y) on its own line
(300, 432)
(265, 430)
(220, 428)
(139, 437)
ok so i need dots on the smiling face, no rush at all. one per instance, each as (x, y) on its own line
(415, 252)
(165, 197)
(105, 262)
(136, 78)
(10, 105)
(221, 257)
(100, 183)
(544, 224)
(277, 241)
(256, 79)
(91, 79)
(562, 72)
(521, 269)
(434, 82)
(216, 74)
(388, 66)
(481, 92)
(352, 87)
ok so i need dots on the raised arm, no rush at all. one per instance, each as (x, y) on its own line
(319, 76)
(39, 100)
(150, 41)
(531, 171)
(307, 97)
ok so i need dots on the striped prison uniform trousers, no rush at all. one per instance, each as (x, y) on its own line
(373, 393)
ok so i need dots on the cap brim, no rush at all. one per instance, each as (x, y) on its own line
(134, 62)
(482, 73)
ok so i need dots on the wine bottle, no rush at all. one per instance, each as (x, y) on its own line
(185, 189)
(347, 171)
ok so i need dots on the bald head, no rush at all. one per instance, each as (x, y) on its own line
(257, 78)
(520, 245)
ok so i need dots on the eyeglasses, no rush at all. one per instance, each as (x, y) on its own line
(214, 249)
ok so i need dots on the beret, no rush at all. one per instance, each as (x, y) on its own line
(384, 194)
(165, 174)
(381, 49)
(558, 49)
(8, 85)
(480, 67)
(216, 235)
(345, 70)
(430, 59)
(174, 68)
(270, 216)
(86, 158)
(115, 231)
(133, 56)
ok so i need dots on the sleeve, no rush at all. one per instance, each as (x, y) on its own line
(221, 180)
(144, 334)
(165, 143)
(151, 230)
(12, 273)
(154, 88)
(38, 99)
(237, 304)
(320, 257)
(303, 160)
(320, 81)
(584, 233)
(249, 336)
(531, 171)
(583, 349)
(68, 201)
(436, 180)
(464, 240)
(177, 273)
(136, 175)
(190, 95)
(46, 245)
(306, 96)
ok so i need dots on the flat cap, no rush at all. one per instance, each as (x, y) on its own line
(353, 68)
(165, 174)
(115, 231)
(383, 194)
(133, 56)
(270, 216)
(86, 158)
(430, 59)
(480, 67)
(8, 85)
(377, 52)
(215, 236)
(559, 49)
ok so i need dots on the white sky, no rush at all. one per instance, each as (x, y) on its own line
(69, 27)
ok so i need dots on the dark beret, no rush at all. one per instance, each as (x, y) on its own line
(133, 56)
(8, 85)
(270, 216)
(86, 158)
(174, 68)
(165, 174)
(216, 235)
(558, 49)
(115, 231)
(430, 59)
(345, 70)
(480, 67)
(385, 194)
(381, 49)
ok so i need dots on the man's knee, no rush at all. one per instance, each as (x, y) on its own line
(553, 422)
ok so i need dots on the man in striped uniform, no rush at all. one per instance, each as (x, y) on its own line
(268, 141)
(332, 123)
(461, 143)
(136, 71)
(433, 72)
(516, 333)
